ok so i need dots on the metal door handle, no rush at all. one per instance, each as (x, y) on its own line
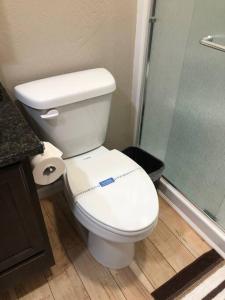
(208, 42)
(51, 114)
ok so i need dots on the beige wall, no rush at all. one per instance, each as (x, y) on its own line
(39, 38)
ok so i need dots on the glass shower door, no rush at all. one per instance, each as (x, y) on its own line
(184, 116)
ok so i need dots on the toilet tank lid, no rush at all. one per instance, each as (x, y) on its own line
(65, 89)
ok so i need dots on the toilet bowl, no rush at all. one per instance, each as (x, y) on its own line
(115, 200)
(110, 195)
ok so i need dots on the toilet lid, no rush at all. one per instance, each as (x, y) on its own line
(114, 190)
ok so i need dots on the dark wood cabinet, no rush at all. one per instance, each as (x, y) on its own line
(24, 244)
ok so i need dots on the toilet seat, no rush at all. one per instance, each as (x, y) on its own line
(112, 192)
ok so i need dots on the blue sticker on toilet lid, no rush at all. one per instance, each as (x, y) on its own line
(106, 182)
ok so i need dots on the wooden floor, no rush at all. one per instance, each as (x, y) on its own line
(76, 275)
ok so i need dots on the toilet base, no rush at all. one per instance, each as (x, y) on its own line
(110, 254)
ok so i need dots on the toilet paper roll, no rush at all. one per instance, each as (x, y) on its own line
(48, 166)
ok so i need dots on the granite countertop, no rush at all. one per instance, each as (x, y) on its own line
(17, 139)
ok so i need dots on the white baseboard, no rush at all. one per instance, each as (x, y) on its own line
(201, 223)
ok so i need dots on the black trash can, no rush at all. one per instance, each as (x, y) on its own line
(152, 165)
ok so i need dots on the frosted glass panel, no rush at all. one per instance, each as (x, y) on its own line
(195, 155)
(167, 54)
(184, 118)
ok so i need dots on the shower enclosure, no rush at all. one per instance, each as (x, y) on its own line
(183, 118)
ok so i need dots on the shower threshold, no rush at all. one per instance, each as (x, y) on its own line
(197, 219)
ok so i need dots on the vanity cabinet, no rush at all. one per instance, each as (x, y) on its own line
(24, 244)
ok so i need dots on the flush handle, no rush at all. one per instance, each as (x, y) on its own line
(51, 114)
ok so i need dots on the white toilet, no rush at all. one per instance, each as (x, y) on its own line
(108, 193)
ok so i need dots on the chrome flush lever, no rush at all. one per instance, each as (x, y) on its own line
(51, 114)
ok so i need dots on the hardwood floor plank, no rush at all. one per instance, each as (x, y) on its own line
(54, 207)
(152, 263)
(141, 276)
(36, 288)
(130, 284)
(171, 247)
(59, 253)
(95, 278)
(67, 286)
(192, 241)
(62, 278)
(138, 288)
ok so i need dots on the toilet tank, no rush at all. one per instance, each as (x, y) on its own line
(72, 110)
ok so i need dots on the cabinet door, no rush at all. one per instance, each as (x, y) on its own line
(20, 231)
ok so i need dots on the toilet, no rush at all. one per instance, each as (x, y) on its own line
(109, 194)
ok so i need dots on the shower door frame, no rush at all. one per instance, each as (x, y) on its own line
(197, 219)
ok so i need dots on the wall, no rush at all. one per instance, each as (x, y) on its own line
(44, 38)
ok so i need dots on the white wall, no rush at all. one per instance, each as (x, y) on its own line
(44, 38)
